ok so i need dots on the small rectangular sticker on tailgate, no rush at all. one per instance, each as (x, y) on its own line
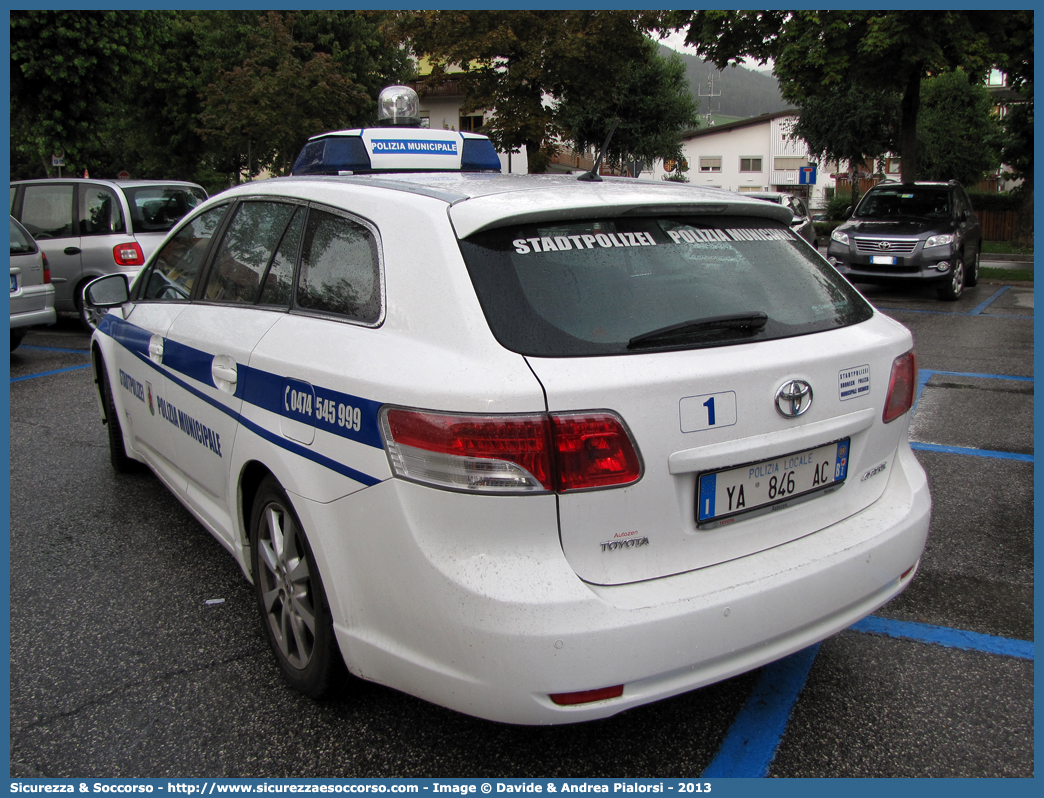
(770, 485)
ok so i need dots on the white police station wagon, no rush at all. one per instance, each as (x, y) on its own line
(535, 448)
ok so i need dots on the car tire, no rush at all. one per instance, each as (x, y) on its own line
(90, 317)
(122, 463)
(16, 338)
(294, 610)
(971, 272)
(952, 289)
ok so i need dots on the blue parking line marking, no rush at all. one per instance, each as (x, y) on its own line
(923, 375)
(976, 374)
(750, 745)
(980, 308)
(56, 349)
(49, 373)
(945, 636)
(953, 313)
(935, 447)
(753, 739)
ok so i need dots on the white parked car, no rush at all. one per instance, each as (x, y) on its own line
(535, 449)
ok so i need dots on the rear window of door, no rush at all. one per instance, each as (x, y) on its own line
(340, 272)
(247, 251)
(20, 243)
(156, 209)
(47, 210)
(100, 211)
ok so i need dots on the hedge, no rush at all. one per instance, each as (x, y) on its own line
(995, 202)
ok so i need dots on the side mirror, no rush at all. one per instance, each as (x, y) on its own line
(848, 211)
(109, 291)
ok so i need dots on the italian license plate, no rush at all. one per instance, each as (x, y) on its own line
(883, 260)
(14, 283)
(770, 485)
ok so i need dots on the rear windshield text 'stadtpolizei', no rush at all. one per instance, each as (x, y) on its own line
(589, 287)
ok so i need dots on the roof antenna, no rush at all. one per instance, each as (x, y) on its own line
(593, 174)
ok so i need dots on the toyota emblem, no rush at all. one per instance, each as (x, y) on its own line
(884, 245)
(793, 398)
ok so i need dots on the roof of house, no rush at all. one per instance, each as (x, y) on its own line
(754, 120)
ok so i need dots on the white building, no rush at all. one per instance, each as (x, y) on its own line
(440, 109)
(754, 154)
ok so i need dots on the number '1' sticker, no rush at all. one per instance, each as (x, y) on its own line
(707, 411)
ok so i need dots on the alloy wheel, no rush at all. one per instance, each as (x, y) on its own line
(286, 585)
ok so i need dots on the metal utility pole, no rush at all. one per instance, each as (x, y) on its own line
(710, 93)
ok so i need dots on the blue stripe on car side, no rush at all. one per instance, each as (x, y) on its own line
(129, 336)
(136, 340)
(186, 360)
(268, 391)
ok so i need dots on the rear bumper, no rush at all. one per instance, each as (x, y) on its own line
(490, 624)
(33, 306)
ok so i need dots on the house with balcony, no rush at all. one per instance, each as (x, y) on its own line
(756, 154)
(440, 104)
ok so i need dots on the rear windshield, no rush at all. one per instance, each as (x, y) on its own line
(20, 242)
(895, 203)
(615, 286)
(155, 209)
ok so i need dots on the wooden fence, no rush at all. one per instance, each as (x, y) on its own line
(843, 185)
(998, 225)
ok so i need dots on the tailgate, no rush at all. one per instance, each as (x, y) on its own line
(697, 412)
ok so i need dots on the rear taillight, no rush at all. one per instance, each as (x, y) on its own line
(593, 450)
(902, 387)
(46, 268)
(511, 453)
(128, 254)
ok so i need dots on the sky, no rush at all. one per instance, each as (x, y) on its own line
(676, 41)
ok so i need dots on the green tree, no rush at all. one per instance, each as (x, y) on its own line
(514, 60)
(817, 52)
(1018, 156)
(958, 136)
(1018, 144)
(153, 122)
(182, 94)
(269, 99)
(849, 126)
(65, 65)
(653, 100)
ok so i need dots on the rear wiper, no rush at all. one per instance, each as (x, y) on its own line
(737, 321)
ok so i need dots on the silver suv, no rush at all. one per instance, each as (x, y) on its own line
(88, 227)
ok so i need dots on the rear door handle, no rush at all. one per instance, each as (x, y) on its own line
(72, 250)
(225, 373)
